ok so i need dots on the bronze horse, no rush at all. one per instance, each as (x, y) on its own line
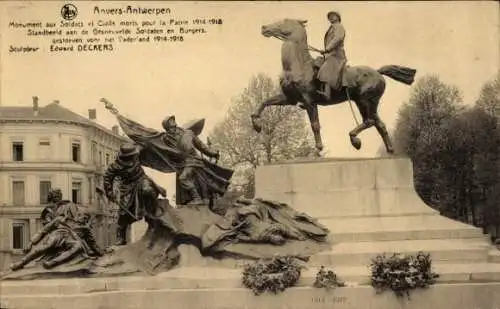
(299, 84)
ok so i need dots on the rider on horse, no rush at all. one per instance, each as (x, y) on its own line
(330, 73)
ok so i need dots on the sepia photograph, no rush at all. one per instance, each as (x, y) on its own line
(249, 154)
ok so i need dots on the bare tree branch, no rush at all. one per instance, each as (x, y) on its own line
(285, 133)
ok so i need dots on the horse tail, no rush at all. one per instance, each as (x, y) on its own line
(399, 73)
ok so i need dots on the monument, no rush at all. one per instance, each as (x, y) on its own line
(336, 213)
(190, 257)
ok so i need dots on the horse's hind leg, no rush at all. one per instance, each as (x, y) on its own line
(378, 123)
(382, 130)
(277, 100)
(368, 109)
(365, 109)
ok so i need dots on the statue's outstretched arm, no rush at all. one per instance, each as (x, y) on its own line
(198, 144)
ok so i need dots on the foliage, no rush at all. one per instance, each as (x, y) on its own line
(489, 98)
(285, 133)
(486, 132)
(402, 273)
(327, 279)
(274, 275)
(455, 150)
(419, 132)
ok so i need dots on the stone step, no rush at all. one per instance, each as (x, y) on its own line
(493, 255)
(440, 295)
(223, 278)
(398, 228)
(441, 250)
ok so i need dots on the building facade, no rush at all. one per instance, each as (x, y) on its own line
(50, 147)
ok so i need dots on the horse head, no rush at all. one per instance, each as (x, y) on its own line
(287, 29)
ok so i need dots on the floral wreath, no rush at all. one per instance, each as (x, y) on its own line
(402, 273)
(274, 275)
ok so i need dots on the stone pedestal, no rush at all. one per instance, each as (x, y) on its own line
(370, 207)
(344, 188)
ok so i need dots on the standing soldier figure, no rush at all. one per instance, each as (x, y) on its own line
(330, 73)
(138, 192)
(177, 150)
(188, 144)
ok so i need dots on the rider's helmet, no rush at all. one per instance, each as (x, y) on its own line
(334, 13)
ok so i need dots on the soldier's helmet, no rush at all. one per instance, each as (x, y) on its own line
(54, 196)
(168, 122)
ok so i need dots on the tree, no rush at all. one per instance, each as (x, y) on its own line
(487, 159)
(285, 133)
(419, 133)
(432, 104)
(455, 150)
(489, 98)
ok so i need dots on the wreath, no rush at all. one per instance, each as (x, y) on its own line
(327, 279)
(402, 273)
(274, 275)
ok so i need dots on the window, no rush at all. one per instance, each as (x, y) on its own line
(44, 149)
(18, 192)
(100, 158)
(76, 192)
(76, 152)
(94, 152)
(91, 189)
(107, 159)
(20, 234)
(45, 186)
(17, 151)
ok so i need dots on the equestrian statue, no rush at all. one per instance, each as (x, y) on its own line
(328, 80)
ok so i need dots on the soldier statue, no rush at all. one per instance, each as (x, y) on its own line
(68, 234)
(331, 71)
(189, 144)
(177, 150)
(138, 192)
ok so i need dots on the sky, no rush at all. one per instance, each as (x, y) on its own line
(199, 77)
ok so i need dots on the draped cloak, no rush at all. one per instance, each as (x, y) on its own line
(168, 153)
(224, 234)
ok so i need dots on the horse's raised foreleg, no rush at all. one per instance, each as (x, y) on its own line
(313, 114)
(277, 100)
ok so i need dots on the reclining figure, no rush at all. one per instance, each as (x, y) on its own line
(64, 237)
